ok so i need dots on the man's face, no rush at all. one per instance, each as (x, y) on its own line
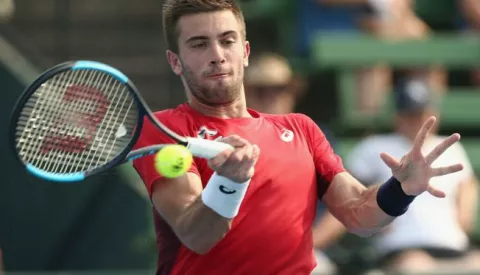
(410, 123)
(212, 56)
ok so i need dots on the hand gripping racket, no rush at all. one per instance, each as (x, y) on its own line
(81, 118)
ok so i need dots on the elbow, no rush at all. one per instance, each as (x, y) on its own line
(201, 245)
(362, 232)
(200, 249)
(202, 241)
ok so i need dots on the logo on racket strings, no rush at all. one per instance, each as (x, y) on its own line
(85, 109)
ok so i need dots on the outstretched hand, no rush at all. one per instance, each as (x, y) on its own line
(414, 170)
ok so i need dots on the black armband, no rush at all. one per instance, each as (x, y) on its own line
(391, 198)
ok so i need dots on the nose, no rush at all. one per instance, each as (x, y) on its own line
(217, 55)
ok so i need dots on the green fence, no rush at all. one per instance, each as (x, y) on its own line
(346, 53)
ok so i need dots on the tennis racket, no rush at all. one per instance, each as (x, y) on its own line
(81, 118)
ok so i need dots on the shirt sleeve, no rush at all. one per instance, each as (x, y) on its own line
(327, 163)
(144, 166)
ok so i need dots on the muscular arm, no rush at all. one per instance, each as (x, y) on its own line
(355, 206)
(179, 202)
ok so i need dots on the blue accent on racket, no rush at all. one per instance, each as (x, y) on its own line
(92, 65)
(53, 176)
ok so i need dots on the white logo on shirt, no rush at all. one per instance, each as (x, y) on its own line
(204, 132)
(287, 135)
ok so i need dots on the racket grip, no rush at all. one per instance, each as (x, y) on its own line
(205, 148)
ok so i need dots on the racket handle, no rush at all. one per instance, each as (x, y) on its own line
(205, 148)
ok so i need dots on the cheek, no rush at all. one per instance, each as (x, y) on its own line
(191, 69)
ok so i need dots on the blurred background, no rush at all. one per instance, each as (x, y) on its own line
(339, 61)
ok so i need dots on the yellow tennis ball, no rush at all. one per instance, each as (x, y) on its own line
(173, 161)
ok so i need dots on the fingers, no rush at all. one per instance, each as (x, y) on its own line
(238, 157)
(244, 159)
(238, 165)
(441, 148)
(256, 153)
(422, 135)
(250, 158)
(390, 161)
(445, 170)
(235, 141)
(221, 158)
(435, 192)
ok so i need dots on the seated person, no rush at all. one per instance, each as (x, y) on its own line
(434, 232)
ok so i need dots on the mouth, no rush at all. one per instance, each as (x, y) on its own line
(218, 75)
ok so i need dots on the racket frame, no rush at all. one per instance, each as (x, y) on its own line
(198, 147)
(52, 72)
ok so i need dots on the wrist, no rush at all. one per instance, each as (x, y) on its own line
(224, 196)
(405, 190)
(392, 199)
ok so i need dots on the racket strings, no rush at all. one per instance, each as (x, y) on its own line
(79, 97)
(119, 107)
(44, 106)
(105, 128)
(76, 121)
(66, 136)
(56, 135)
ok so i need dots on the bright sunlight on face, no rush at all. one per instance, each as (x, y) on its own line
(213, 54)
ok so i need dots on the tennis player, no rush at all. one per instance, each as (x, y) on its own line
(250, 210)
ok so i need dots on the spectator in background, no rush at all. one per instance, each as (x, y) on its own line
(385, 19)
(471, 13)
(271, 87)
(7, 8)
(452, 17)
(433, 234)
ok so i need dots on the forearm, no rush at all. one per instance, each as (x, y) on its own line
(208, 218)
(200, 217)
(363, 216)
(200, 228)
(365, 211)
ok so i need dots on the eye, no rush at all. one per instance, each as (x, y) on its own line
(199, 45)
(228, 42)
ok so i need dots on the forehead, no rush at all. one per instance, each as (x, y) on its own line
(208, 24)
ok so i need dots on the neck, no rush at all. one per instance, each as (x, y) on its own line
(234, 109)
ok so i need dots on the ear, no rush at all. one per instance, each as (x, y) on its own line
(174, 62)
(246, 53)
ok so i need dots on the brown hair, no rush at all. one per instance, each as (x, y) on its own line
(173, 10)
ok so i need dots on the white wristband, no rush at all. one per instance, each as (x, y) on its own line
(224, 196)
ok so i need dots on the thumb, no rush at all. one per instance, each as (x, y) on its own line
(435, 192)
(390, 161)
(256, 152)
